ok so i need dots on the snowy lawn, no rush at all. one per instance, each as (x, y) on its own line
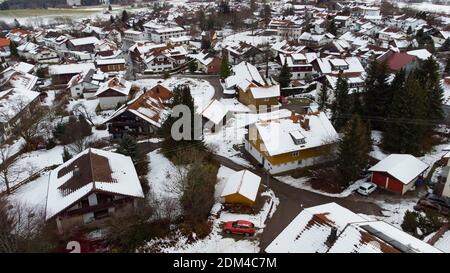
(215, 242)
(32, 195)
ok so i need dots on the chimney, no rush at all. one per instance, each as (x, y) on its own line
(332, 237)
(306, 124)
(76, 171)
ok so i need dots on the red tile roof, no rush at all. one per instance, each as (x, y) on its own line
(398, 60)
(4, 42)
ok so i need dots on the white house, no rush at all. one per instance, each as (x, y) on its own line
(86, 83)
(113, 92)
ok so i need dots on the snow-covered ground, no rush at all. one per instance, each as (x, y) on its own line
(302, 183)
(248, 38)
(215, 242)
(393, 213)
(444, 242)
(33, 194)
(429, 7)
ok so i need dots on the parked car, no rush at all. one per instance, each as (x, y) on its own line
(425, 204)
(367, 188)
(239, 227)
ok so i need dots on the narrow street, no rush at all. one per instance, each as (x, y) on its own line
(293, 200)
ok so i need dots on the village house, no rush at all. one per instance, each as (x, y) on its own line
(56, 41)
(261, 97)
(207, 62)
(241, 188)
(38, 54)
(82, 44)
(298, 64)
(243, 72)
(142, 116)
(62, 74)
(15, 103)
(131, 36)
(347, 67)
(113, 93)
(90, 187)
(315, 40)
(110, 65)
(398, 173)
(331, 228)
(18, 36)
(243, 52)
(161, 34)
(397, 61)
(106, 49)
(286, 29)
(4, 47)
(287, 143)
(86, 83)
(215, 112)
(17, 76)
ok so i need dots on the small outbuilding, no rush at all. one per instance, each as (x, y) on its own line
(398, 173)
(242, 187)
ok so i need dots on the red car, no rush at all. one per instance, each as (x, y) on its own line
(239, 227)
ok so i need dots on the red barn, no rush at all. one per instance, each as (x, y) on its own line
(398, 172)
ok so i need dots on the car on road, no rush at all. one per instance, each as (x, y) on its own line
(239, 227)
(425, 204)
(366, 188)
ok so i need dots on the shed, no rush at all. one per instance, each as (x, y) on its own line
(242, 187)
(398, 172)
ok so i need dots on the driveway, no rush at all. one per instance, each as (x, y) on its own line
(293, 200)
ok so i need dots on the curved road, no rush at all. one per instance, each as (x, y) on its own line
(293, 200)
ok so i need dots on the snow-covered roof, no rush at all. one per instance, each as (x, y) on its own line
(403, 167)
(168, 29)
(378, 237)
(326, 65)
(99, 171)
(148, 106)
(422, 54)
(13, 77)
(69, 68)
(277, 138)
(244, 183)
(313, 228)
(13, 101)
(84, 41)
(260, 92)
(309, 230)
(117, 84)
(110, 61)
(243, 71)
(24, 67)
(215, 111)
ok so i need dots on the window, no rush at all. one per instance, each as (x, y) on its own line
(101, 214)
(296, 153)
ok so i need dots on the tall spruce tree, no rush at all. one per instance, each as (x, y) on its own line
(170, 146)
(225, 70)
(353, 151)
(128, 147)
(446, 45)
(284, 78)
(429, 78)
(323, 97)
(406, 124)
(378, 96)
(341, 105)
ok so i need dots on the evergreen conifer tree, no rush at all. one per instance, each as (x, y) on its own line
(340, 107)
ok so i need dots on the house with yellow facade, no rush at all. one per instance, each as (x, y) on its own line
(259, 96)
(241, 187)
(285, 144)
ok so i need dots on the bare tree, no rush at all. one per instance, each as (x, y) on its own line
(21, 228)
(79, 145)
(10, 171)
(81, 109)
(27, 121)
